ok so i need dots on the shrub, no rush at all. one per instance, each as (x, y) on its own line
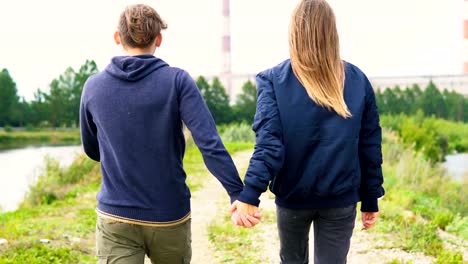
(446, 257)
(238, 133)
(56, 182)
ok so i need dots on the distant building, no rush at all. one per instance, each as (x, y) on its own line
(458, 83)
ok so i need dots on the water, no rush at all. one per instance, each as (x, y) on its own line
(19, 169)
(457, 165)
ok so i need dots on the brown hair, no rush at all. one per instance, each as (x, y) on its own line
(139, 25)
(315, 54)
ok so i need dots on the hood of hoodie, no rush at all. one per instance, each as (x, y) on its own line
(134, 68)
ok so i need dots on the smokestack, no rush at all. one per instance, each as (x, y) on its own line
(226, 46)
(465, 41)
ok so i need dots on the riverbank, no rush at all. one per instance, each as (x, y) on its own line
(60, 209)
(423, 219)
(20, 169)
(423, 216)
(23, 138)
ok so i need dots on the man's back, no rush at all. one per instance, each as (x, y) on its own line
(131, 121)
(135, 105)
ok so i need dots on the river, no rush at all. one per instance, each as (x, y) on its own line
(457, 165)
(20, 167)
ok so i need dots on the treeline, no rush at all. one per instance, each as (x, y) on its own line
(60, 106)
(430, 101)
(57, 108)
(217, 101)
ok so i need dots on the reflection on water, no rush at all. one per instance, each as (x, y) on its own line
(457, 165)
(20, 167)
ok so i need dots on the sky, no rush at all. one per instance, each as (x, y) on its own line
(40, 39)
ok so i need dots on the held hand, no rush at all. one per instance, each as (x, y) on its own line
(243, 214)
(369, 219)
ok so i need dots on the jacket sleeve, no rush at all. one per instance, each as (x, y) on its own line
(198, 119)
(268, 156)
(88, 131)
(370, 154)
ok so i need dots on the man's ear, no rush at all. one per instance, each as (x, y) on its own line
(117, 38)
(158, 40)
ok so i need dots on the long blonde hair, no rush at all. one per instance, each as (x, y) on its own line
(315, 54)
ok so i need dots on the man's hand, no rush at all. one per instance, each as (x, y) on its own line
(368, 220)
(243, 214)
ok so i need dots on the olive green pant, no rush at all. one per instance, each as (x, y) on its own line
(122, 243)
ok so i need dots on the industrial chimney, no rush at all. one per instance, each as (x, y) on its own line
(465, 41)
(226, 46)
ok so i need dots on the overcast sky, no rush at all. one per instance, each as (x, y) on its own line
(40, 39)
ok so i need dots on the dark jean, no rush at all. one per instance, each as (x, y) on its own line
(122, 243)
(333, 229)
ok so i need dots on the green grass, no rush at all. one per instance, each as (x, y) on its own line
(420, 200)
(61, 208)
(16, 139)
(233, 243)
(397, 261)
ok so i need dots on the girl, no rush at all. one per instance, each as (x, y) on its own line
(318, 142)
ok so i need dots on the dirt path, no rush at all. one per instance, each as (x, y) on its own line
(205, 208)
(365, 247)
(207, 204)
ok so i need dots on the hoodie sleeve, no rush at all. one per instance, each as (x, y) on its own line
(198, 119)
(88, 131)
(370, 154)
(268, 157)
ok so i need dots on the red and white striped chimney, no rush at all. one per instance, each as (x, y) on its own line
(465, 41)
(226, 70)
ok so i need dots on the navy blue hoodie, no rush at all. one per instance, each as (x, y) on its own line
(131, 121)
(311, 157)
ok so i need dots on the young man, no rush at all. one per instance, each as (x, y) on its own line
(131, 121)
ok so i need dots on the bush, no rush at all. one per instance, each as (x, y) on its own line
(446, 257)
(423, 237)
(56, 182)
(435, 138)
(459, 225)
(420, 199)
(30, 128)
(237, 133)
(8, 128)
(443, 218)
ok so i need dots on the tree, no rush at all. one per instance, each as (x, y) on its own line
(8, 98)
(203, 86)
(86, 70)
(390, 100)
(455, 104)
(39, 110)
(216, 99)
(21, 114)
(432, 102)
(63, 101)
(246, 103)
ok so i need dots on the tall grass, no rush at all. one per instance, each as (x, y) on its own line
(61, 207)
(56, 183)
(420, 200)
(237, 133)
